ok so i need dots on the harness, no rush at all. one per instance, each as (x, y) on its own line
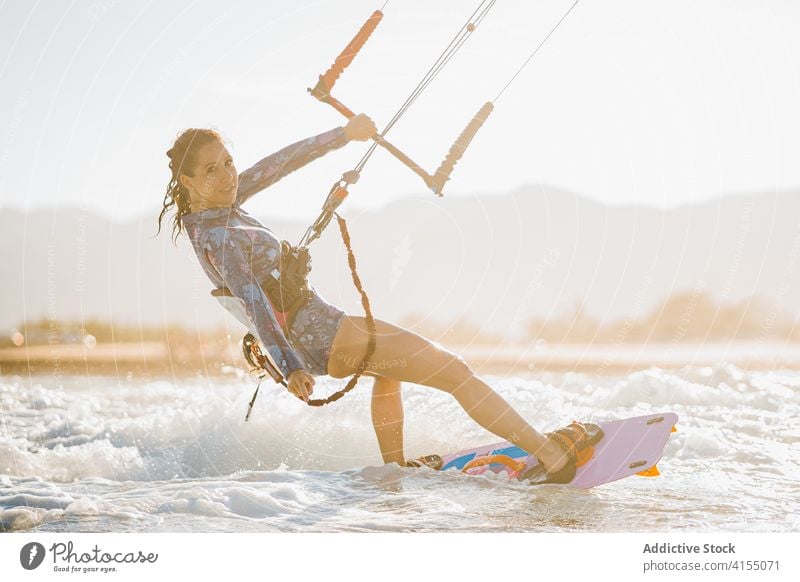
(287, 288)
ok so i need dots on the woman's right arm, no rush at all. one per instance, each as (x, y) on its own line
(226, 255)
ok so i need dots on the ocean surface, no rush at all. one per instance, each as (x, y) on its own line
(108, 454)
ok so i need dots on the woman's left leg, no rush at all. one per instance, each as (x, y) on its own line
(404, 356)
(387, 419)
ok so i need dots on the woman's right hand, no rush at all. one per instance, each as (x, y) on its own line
(360, 128)
(301, 384)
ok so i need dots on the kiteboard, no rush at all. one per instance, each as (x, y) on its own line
(627, 447)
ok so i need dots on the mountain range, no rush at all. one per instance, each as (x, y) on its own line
(496, 261)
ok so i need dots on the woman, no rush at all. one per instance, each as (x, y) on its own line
(237, 252)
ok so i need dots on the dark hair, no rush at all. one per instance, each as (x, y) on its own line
(182, 160)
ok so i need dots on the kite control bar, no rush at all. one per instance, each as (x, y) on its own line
(322, 91)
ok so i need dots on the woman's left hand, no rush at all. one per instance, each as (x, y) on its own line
(360, 128)
(301, 384)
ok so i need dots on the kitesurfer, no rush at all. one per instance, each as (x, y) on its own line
(236, 251)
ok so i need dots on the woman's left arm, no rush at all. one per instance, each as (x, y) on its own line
(284, 162)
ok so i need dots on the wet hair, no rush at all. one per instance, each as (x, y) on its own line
(182, 160)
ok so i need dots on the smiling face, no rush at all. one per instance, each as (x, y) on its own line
(214, 181)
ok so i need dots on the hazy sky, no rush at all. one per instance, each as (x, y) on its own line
(632, 101)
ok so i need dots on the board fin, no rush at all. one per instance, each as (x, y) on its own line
(651, 472)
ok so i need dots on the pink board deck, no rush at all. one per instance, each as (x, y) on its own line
(628, 447)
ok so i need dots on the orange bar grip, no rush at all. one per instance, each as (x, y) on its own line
(350, 51)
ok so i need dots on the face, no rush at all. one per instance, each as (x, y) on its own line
(215, 180)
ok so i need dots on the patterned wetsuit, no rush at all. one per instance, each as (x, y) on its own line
(238, 252)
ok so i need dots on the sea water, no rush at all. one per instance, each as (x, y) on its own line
(128, 454)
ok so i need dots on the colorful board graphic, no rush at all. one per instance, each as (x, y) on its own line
(631, 446)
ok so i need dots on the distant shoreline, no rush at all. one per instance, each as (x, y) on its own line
(154, 359)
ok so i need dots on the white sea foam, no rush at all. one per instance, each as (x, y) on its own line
(101, 454)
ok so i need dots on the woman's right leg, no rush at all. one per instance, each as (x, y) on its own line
(404, 356)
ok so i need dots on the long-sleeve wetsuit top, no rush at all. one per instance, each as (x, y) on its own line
(238, 252)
